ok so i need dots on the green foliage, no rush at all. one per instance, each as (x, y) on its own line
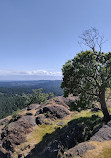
(15, 114)
(87, 73)
(39, 97)
(87, 76)
(83, 103)
(51, 95)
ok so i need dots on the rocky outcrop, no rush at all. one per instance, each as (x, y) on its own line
(103, 134)
(52, 145)
(61, 123)
(51, 111)
(15, 130)
(33, 106)
(15, 133)
(56, 111)
(4, 121)
(79, 150)
(40, 119)
(39, 111)
(60, 100)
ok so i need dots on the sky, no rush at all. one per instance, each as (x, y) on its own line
(38, 36)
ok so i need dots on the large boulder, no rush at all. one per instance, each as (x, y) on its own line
(79, 150)
(14, 133)
(56, 110)
(104, 133)
(60, 100)
(33, 106)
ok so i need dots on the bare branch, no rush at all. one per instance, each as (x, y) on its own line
(92, 38)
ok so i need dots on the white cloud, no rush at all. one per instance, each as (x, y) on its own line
(29, 73)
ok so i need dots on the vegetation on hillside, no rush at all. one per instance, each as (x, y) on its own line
(17, 95)
(88, 75)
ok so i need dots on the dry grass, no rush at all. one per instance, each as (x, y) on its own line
(102, 150)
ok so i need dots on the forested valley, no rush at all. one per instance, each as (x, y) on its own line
(15, 95)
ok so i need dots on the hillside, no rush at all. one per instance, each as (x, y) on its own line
(51, 130)
(16, 95)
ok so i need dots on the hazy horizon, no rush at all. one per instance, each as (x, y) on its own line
(28, 78)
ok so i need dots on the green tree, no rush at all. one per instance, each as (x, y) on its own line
(39, 97)
(51, 95)
(89, 75)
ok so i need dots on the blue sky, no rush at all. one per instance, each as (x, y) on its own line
(38, 36)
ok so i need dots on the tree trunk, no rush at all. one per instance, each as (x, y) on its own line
(104, 107)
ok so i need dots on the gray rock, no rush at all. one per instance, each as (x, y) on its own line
(40, 119)
(32, 106)
(15, 133)
(56, 110)
(60, 100)
(79, 150)
(3, 121)
(104, 133)
(61, 123)
(39, 111)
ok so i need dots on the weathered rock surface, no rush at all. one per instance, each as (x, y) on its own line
(4, 121)
(79, 150)
(15, 118)
(52, 145)
(61, 123)
(14, 133)
(39, 111)
(40, 119)
(32, 106)
(56, 111)
(60, 100)
(103, 134)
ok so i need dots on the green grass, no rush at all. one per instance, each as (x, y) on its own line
(79, 117)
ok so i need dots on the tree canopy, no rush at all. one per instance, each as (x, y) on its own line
(88, 75)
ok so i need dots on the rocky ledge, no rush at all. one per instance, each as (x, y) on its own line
(15, 130)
